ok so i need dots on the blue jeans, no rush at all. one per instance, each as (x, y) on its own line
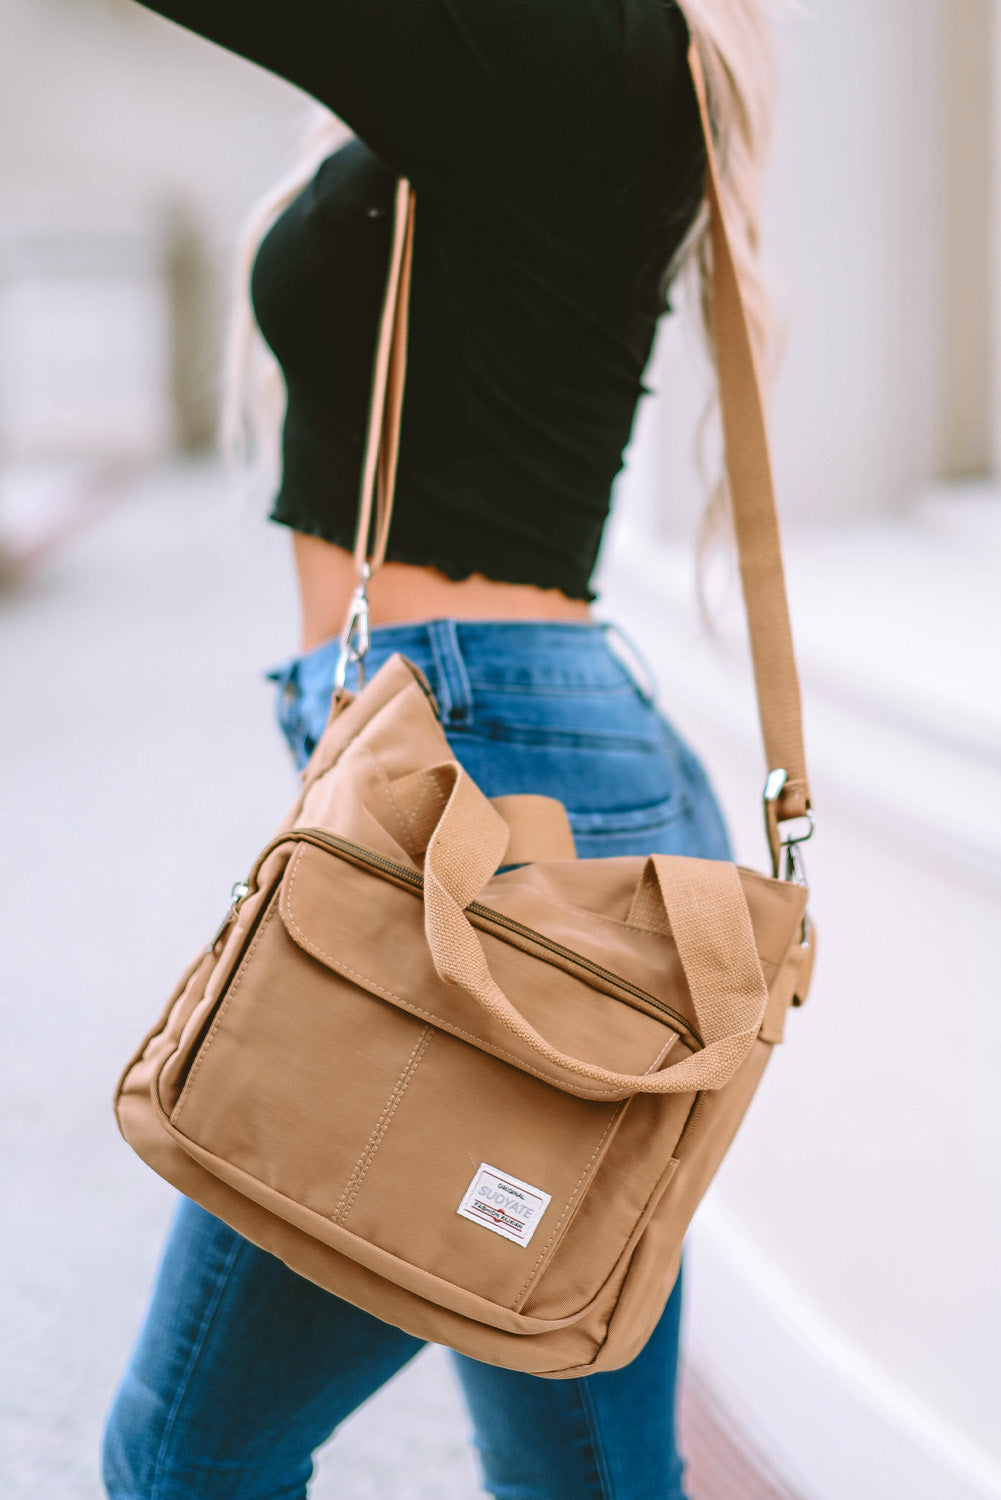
(243, 1368)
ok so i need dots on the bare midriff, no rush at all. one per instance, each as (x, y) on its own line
(403, 593)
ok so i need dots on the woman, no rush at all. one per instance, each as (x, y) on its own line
(557, 158)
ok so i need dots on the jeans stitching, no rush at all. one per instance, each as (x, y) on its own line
(617, 821)
(531, 735)
(198, 1344)
(443, 687)
(451, 671)
(464, 708)
(540, 687)
(593, 1432)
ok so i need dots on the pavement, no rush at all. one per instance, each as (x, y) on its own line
(141, 770)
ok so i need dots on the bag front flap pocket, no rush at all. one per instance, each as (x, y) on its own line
(371, 931)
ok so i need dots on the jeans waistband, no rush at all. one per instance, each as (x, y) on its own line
(463, 656)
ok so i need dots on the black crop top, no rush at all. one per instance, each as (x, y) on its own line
(555, 150)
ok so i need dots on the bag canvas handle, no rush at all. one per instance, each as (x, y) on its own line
(748, 469)
(700, 903)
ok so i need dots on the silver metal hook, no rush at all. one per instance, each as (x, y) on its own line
(356, 634)
(791, 832)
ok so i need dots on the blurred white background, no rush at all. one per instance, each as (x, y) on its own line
(845, 1303)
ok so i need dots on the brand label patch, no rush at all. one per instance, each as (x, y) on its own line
(504, 1204)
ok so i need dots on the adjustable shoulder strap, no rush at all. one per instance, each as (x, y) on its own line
(385, 410)
(752, 496)
(748, 467)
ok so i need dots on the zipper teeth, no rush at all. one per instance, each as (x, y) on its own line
(584, 963)
(369, 859)
(236, 961)
(690, 1123)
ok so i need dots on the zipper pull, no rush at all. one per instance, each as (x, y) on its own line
(237, 894)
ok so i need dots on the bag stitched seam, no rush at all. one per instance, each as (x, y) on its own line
(574, 1192)
(405, 817)
(353, 1185)
(234, 985)
(595, 916)
(523, 1293)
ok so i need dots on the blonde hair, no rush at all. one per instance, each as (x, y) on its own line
(734, 39)
(253, 396)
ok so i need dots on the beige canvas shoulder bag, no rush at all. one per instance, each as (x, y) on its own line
(433, 1061)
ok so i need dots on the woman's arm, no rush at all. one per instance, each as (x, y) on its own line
(432, 82)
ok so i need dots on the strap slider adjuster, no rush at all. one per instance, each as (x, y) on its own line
(785, 835)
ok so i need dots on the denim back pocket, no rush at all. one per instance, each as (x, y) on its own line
(663, 827)
(625, 793)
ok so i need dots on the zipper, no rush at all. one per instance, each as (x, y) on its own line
(236, 896)
(240, 891)
(367, 859)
